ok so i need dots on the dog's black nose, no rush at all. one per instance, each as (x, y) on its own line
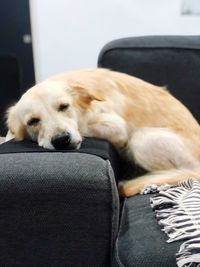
(61, 141)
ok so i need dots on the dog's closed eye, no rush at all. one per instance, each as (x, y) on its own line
(63, 107)
(33, 121)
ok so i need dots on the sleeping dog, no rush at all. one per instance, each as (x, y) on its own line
(147, 122)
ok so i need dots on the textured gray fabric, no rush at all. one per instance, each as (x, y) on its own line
(56, 209)
(140, 241)
(61, 168)
(179, 42)
(172, 61)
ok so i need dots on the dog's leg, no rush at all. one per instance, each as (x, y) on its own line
(164, 155)
(160, 149)
(110, 127)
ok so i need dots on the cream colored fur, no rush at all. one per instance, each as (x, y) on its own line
(147, 122)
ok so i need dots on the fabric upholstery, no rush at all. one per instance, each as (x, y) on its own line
(140, 241)
(172, 61)
(93, 146)
(57, 209)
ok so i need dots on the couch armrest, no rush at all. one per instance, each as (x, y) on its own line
(56, 209)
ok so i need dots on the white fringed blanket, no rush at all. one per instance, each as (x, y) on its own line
(177, 210)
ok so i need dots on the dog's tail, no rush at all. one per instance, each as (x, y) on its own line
(172, 177)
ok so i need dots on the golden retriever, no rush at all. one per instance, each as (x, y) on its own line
(146, 121)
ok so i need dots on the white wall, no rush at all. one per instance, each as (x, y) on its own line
(68, 34)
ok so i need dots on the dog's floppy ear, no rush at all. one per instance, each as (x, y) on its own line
(15, 127)
(86, 94)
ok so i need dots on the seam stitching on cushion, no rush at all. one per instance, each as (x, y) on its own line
(119, 232)
(108, 173)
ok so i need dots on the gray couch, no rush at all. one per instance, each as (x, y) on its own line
(62, 208)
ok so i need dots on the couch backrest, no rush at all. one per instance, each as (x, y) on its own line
(172, 61)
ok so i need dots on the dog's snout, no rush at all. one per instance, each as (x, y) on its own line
(61, 141)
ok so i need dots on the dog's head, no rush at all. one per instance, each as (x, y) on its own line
(49, 114)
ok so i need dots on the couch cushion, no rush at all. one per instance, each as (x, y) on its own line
(140, 241)
(57, 208)
(172, 61)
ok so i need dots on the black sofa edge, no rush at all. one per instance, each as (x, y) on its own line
(151, 41)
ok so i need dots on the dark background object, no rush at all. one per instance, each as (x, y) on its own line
(9, 86)
(16, 55)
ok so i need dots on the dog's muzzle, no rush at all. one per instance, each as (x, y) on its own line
(62, 141)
